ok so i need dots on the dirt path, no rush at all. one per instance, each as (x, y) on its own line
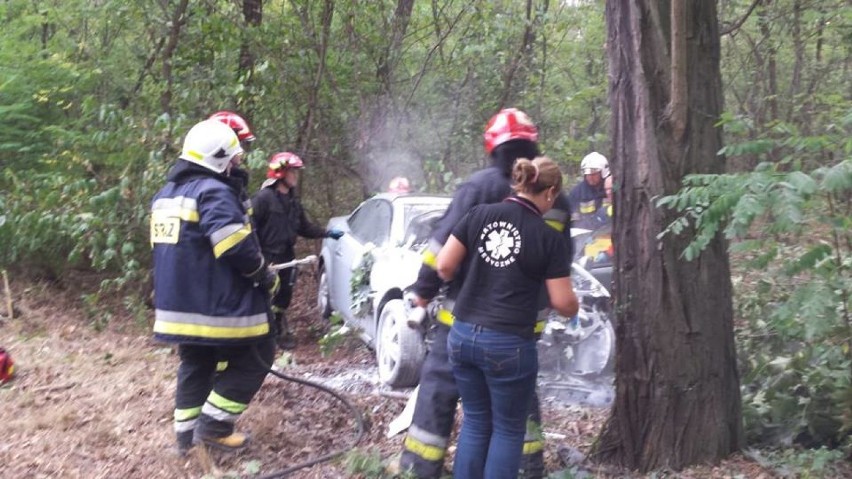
(88, 404)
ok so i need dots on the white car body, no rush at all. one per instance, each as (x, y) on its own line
(393, 230)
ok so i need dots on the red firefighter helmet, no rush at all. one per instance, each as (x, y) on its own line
(399, 184)
(236, 122)
(7, 366)
(280, 162)
(509, 124)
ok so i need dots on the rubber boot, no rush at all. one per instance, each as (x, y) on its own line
(184, 442)
(232, 442)
(284, 338)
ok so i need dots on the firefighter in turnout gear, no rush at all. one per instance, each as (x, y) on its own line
(509, 135)
(280, 220)
(211, 288)
(588, 196)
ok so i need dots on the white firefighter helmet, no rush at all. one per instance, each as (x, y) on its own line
(211, 144)
(595, 162)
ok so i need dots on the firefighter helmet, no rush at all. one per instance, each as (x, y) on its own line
(594, 162)
(399, 184)
(509, 124)
(236, 122)
(280, 162)
(7, 366)
(211, 144)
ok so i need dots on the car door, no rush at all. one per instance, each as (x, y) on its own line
(369, 226)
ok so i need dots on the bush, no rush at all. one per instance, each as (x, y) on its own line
(790, 239)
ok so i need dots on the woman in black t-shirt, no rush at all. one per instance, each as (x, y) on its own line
(503, 252)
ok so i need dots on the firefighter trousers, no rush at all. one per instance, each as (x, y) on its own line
(209, 402)
(434, 415)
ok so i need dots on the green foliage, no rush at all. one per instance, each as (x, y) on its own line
(93, 116)
(790, 236)
(359, 285)
(337, 334)
(368, 464)
(794, 462)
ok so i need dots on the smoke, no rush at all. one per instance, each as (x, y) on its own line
(426, 147)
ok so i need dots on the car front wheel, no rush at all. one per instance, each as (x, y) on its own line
(400, 350)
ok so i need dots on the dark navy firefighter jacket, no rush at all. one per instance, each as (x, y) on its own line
(204, 254)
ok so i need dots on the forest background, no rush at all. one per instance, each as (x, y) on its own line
(95, 96)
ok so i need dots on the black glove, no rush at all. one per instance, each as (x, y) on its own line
(266, 279)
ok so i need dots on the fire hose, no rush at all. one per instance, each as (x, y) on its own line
(356, 414)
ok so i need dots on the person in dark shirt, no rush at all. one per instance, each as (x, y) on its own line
(280, 219)
(587, 196)
(506, 252)
(509, 135)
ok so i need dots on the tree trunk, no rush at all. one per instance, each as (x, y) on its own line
(177, 20)
(253, 16)
(677, 389)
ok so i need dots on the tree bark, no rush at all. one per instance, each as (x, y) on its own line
(677, 388)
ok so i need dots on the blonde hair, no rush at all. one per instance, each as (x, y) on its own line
(533, 177)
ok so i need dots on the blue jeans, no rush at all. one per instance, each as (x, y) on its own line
(495, 373)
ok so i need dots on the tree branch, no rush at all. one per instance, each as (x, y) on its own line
(304, 138)
(516, 59)
(739, 23)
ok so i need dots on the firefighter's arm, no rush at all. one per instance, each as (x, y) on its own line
(260, 210)
(230, 233)
(307, 228)
(559, 218)
(450, 258)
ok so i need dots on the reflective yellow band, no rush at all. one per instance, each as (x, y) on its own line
(426, 451)
(532, 447)
(187, 414)
(430, 259)
(231, 240)
(226, 404)
(587, 207)
(207, 331)
(556, 224)
(198, 156)
(221, 366)
(444, 316)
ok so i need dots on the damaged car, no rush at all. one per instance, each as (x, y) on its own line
(364, 274)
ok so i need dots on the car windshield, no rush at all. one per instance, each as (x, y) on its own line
(419, 220)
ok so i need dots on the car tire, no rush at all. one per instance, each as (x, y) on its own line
(323, 294)
(400, 349)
